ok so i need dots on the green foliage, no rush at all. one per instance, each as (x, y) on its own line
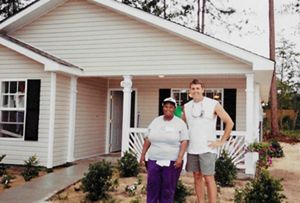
(31, 168)
(287, 123)
(128, 165)
(2, 166)
(226, 171)
(263, 189)
(97, 181)
(276, 149)
(6, 180)
(264, 151)
(10, 7)
(181, 192)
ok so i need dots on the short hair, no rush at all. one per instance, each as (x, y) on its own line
(197, 82)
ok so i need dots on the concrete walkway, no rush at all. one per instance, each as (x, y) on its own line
(42, 188)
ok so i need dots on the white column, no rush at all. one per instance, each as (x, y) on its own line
(257, 106)
(72, 118)
(249, 157)
(126, 84)
(51, 120)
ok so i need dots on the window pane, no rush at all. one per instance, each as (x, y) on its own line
(4, 101)
(11, 130)
(4, 116)
(13, 87)
(12, 116)
(5, 87)
(20, 101)
(21, 87)
(12, 102)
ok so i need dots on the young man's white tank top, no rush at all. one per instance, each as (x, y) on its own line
(201, 120)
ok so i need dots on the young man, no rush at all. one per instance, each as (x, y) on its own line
(201, 114)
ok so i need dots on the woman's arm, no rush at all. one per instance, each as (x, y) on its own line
(146, 146)
(183, 146)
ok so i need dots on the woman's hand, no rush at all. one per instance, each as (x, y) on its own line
(178, 163)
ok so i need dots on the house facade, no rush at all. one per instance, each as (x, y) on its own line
(94, 73)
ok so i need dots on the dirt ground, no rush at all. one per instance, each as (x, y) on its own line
(286, 168)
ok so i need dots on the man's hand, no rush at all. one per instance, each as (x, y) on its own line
(142, 159)
(215, 144)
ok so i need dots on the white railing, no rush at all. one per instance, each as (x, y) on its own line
(235, 146)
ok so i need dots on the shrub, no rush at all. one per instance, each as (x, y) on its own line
(264, 152)
(263, 189)
(276, 149)
(6, 180)
(128, 165)
(97, 181)
(2, 167)
(226, 171)
(181, 192)
(31, 169)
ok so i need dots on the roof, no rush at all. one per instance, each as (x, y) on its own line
(38, 55)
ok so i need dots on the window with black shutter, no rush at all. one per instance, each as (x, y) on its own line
(230, 104)
(163, 93)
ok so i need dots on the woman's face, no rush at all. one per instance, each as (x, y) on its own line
(168, 110)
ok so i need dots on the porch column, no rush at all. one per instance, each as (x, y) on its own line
(250, 158)
(249, 108)
(72, 118)
(126, 84)
(51, 120)
(257, 106)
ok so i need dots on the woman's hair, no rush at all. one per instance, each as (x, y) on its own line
(197, 82)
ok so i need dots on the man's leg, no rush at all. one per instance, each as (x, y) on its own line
(153, 182)
(199, 186)
(211, 188)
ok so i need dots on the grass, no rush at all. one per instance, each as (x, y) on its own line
(291, 133)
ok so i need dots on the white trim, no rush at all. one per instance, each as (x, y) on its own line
(29, 14)
(259, 62)
(72, 119)
(51, 120)
(48, 64)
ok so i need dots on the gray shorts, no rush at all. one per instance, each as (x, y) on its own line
(204, 163)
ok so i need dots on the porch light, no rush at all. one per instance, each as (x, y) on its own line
(161, 76)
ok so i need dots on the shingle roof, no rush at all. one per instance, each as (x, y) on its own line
(38, 51)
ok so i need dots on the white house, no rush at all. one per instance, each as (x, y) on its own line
(94, 68)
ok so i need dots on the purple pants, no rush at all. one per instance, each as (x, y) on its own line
(161, 182)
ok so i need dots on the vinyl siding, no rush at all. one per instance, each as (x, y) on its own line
(90, 117)
(102, 41)
(61, 126)
(148, 94)
(17, 66)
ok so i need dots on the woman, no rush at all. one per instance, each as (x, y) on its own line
(166, 140)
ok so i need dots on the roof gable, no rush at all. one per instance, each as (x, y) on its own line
(44, 6)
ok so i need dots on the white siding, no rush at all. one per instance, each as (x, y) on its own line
(100, 40)
(16, 66)
(61, 125)
(148, 94)
(90, 117)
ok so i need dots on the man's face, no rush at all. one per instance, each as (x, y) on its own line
(196, 91)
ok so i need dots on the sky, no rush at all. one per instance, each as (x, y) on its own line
(257, 41)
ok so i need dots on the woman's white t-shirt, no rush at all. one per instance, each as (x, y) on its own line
(165, 137)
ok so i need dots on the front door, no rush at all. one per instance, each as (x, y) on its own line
(116, 118)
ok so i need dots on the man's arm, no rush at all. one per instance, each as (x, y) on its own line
(219, 111)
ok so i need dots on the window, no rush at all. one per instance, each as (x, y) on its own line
(12, 109)
(182, 96)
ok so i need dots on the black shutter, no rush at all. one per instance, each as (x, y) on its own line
(230, 103)
(163, 93)
(32, 110)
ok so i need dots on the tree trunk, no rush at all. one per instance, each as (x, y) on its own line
(273, 92)
(165, 8)
(203, 16)
(198, 16)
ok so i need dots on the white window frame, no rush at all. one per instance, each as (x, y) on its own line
(221, 90)
(14, 109)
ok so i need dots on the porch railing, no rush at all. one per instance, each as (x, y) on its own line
(235, 146)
